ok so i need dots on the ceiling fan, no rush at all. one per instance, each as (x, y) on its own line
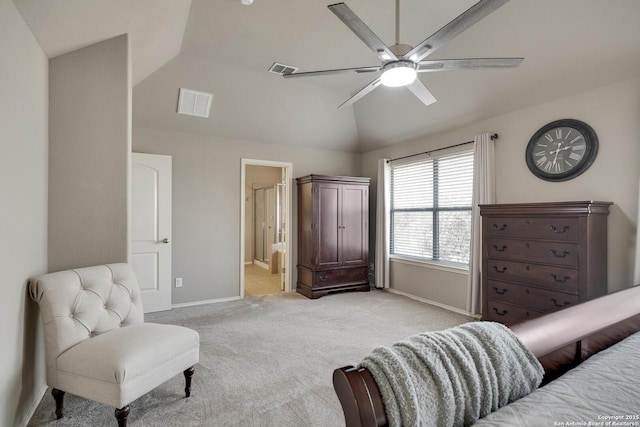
(401, 62)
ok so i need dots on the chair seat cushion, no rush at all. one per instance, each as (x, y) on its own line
(121, 365)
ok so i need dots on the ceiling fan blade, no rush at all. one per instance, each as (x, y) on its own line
(362, 92)
(361, 30)
(421, 91)
(467, 64)
(337, 71)
(471, 16)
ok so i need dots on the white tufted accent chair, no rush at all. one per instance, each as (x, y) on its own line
(96, 342)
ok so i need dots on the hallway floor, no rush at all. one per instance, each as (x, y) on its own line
(259, 281)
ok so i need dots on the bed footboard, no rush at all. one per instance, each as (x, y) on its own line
(360, 397)
(560, 340)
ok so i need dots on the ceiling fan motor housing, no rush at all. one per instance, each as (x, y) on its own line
(400, 50)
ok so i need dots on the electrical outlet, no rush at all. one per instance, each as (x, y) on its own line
(178, 282)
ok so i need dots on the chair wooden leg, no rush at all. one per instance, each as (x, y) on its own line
(187, 376)
(121, 416)
(58, 396)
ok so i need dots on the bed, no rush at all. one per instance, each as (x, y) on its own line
(591, 359)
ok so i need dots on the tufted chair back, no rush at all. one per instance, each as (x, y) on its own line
(77, 305)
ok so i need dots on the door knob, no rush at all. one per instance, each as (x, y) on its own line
(165, 240)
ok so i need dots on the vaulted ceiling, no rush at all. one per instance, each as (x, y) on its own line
(223, 47)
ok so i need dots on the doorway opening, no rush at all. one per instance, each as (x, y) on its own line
(265, 253)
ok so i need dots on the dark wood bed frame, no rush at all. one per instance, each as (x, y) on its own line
(560, 340)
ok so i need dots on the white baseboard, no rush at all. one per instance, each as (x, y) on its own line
(207, 301)
(34, 405)
(261, 264)
(427, 301)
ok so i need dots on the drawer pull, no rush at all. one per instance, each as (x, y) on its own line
(564, 279)
(555, 302)
(358, 273)
(500, 313)
(557, 230)
(502, 249)
(500, 292)
(557, 255)
(500, 227)
(499, 270)
(323, 277)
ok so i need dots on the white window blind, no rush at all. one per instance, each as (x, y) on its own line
(431, 208)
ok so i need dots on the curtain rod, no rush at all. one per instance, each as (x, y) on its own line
(493, 138)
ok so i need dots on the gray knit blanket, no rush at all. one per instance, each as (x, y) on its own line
(453, 377)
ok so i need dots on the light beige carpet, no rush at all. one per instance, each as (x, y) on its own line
(266, 361)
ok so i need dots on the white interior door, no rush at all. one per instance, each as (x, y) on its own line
(151, 229)
(281, 214)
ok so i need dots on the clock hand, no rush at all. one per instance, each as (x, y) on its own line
(560, 149)
(555, 159)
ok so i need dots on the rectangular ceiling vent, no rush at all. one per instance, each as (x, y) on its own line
(278, 68)
(194, 103)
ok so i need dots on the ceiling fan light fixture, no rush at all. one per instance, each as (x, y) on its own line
(398, 73)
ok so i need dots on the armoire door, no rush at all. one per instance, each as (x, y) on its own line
(328, 220)
(355, 214)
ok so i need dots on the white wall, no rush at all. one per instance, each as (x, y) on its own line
(614, 113)
(206, 202)
(89, 155)
(23, 213)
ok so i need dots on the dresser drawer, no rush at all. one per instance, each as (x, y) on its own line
(559, 253)
(565, 229)
(554, 278)
(508, 313)
(541, 299)
(340, 276)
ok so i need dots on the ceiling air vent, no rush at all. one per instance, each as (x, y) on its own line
(277, 68)
(194, 103)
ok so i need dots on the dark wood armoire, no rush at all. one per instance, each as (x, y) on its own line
(333, 234)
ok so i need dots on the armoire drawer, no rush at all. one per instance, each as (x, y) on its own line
(542, 299)
(508, 313)
(554, 278)
(565, 229)
(559, 253)
(342, 275)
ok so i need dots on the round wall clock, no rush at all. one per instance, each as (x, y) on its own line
(562, 150)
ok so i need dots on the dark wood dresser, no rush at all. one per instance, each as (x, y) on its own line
(541, 257)
(333, 234)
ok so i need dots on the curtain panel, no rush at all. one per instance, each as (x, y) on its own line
(484, 192)
(383, 224)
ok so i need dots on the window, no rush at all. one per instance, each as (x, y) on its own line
(431, 208)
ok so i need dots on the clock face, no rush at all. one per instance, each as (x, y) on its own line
(562, 150)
